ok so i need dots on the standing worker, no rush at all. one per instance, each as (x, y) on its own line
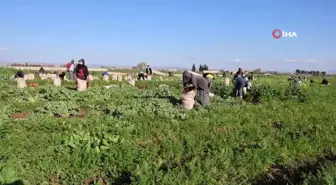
(202, 86)
(149, 72)
(82, 73)
(70, 68)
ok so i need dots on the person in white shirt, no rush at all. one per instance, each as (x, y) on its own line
(71, 70)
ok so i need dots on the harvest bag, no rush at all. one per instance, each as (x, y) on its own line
(227, 81)
(21, 83)
(188, 100)
(81, 85)
(57, 81)
(106, 77)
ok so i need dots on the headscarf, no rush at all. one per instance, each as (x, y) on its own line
(19, 74)
(186, 77)
(81, 61)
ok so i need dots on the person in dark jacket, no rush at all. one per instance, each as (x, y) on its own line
(239, 85)
(149, 70)
(202, 86)
(104, 73)
(239, 73)
(81, 71)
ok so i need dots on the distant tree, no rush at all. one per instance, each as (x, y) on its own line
(142, 66)
(26, 63)
(205, 67)
(323, 73)
(298, 71)
(201, 68)
(193, 68)
(318, 73)
(256, 71)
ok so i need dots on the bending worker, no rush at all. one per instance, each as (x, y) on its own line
(202, 86)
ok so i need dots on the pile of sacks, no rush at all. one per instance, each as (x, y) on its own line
(47, 76)
(29, 76)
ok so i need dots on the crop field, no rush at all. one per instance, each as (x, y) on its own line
(280, 134)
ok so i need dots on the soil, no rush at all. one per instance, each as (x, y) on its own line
(92, 180)
(285, 174)
(82, 113)
(19, 115)
(155, 141)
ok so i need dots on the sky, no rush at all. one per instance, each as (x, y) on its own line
(223, 34)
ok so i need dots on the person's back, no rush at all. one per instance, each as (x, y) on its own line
(201, 84)
(239, 84)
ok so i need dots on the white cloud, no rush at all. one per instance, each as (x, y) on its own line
(236, 60)
(310, 61)
(3, 49)
(290, 60)
(302, 61)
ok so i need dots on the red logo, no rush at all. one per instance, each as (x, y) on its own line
(277, 33)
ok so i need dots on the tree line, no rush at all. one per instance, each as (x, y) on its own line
(315, 73)
(201, 68)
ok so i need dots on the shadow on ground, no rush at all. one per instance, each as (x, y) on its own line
(18, 182)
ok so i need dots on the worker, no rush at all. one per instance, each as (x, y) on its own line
(239, 83)
(81, 72)
(41, 71)
(21, 82)
(149, 72)
(324, 81)
(202, 86)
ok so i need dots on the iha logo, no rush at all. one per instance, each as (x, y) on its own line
(277, 34)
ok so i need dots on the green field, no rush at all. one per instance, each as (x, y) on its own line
(281, 134)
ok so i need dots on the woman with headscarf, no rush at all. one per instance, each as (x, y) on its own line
(81, 73)
(21, 82)
(201, 84)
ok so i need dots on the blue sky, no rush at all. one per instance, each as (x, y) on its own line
(222, 34)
